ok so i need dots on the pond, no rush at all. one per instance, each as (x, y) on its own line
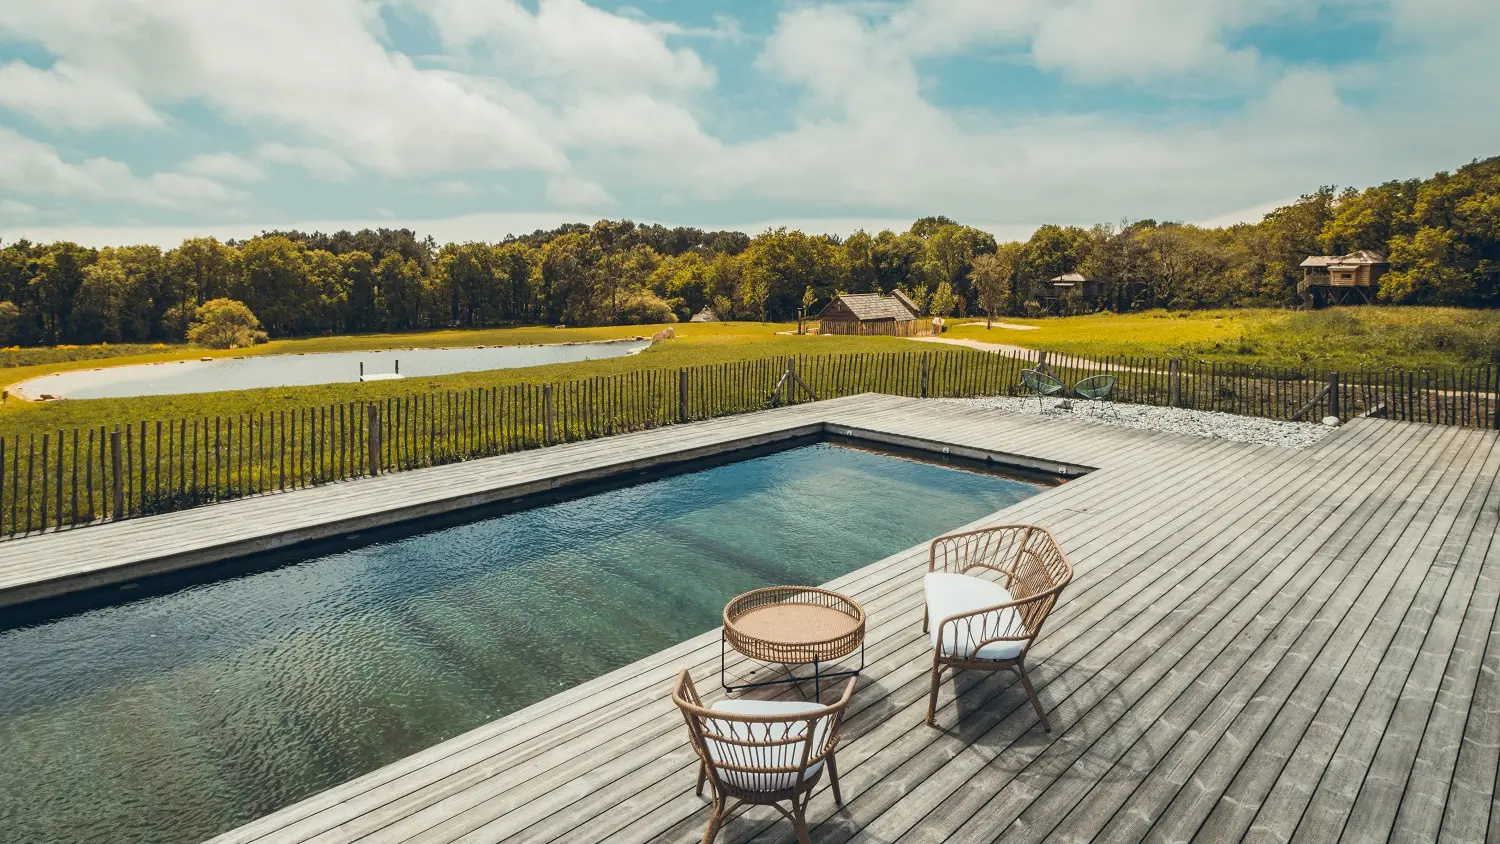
(247, 373)
(184, 713)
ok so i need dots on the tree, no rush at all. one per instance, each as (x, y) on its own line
(225, 324)
(943, 300)
(723, 308)
(98, 309)
(864, 277)
(274, 282)
(9, 316)
(993, 276)
(200, 269)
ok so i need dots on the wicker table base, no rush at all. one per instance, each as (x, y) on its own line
(793, 625)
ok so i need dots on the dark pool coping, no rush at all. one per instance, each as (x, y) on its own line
(661, 455)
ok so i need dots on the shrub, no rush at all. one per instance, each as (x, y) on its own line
(225, 324)
(645, 307)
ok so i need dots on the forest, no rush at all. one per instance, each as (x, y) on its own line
(1442, 236)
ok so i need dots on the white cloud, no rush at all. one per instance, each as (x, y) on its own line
(29, 167)
(321, 163)
(560, 88)
(1097, 40)
(68, 97)
(571, 41)
(573, 192)
(454, 187)
(12, 209)
(314, 69)
(224, 165)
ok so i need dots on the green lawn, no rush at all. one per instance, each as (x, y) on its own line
(1347, 338)
(696, 344)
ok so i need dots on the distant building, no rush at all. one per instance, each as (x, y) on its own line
(1342, 279)
(873, 314)
(705, 315)
(1056, 294)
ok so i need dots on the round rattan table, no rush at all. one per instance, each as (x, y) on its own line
(793, 625)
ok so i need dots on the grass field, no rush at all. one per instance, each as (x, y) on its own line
(1347, 338)
(696, 344)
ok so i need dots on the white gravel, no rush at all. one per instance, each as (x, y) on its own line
(1200, 423)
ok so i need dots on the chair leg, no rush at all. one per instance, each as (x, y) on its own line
(799, 822)
(833, 780)
(937, 676)
(1036, 702)
(702, 775)
(714, 821)
(924, 619)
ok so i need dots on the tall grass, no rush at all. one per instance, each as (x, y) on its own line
(1348, 337)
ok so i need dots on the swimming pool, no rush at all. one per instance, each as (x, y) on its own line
(180, 715)
(247, 373)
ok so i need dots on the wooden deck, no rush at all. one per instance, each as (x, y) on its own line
(1261, 644)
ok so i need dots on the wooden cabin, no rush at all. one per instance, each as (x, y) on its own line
(869, 314)
(1342, 279)
(1068, 291)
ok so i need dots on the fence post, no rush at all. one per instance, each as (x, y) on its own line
(372, 440)
(1333, 395)
(1041, 361)
(547, 417)
(682, 395)
(925, 370)
(1174, 382)
(118, 494)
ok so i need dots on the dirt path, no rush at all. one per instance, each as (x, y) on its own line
(1006, 348)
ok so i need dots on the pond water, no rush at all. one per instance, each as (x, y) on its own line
(180, 715)
(156, 379)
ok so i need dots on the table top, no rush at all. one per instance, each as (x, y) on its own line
(794, 624)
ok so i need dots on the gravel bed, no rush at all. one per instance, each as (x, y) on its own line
(1200, 423)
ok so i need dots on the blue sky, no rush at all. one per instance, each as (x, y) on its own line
(151, 120)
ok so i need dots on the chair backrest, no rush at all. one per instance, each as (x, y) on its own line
(1041, 572)
(1096, 387)
(759, 753)
(1034, 567)
(1040, 382)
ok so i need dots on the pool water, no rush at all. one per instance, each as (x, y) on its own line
(256, 371)
(181, 715)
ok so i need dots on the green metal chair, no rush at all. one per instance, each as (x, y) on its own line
(1041, 384)
(1097, 389)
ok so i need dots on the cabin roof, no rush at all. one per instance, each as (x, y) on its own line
(1366, 257)
(1068, 279)
(705, 315)
(873, 306)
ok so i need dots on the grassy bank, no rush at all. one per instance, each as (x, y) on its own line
(696, 344)
(19, 364)
(1348, 338)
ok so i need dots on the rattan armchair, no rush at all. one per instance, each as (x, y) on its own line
(762, 752)
(989, 623)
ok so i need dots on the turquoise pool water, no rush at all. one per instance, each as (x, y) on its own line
(180, 715)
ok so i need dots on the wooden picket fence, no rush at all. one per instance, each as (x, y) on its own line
(73, 478)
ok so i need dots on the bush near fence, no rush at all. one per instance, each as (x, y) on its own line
(79, 477)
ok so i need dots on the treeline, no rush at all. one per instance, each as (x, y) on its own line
(1442, 236)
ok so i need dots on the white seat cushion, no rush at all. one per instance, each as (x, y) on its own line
(781, 756)
(954, 594)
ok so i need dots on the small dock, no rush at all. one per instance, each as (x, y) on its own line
(1261, 644)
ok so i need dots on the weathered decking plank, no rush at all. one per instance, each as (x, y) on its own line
(1261, 643)
(1219, 584)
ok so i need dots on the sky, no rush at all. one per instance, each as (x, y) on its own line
(129, 121)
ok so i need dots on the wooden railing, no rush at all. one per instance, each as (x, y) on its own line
(67, 479)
